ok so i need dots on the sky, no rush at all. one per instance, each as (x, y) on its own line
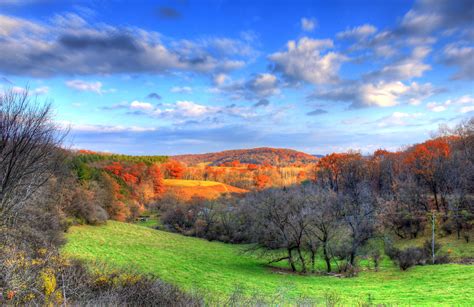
(175, 77)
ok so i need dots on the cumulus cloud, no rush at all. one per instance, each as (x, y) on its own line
(304, 60)
(429, 15)
(408, 67)
(141, 106)
(436, 107)
(461, 57)
(466, 103)
(49, 49)
(11, 25)
(308, 24)
(357, 33)
(258, 86)
(379, 94)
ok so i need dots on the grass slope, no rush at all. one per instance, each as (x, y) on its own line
(186, 189)
(216, 268)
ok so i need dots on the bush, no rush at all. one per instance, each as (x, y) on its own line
(49, 279)
(412, 256)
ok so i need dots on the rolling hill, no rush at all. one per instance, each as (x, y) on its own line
(187, 189)
(216, 269)
(263, 155)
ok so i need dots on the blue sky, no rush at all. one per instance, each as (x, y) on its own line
(173, 77)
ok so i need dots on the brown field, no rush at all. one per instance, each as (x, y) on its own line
(187, 189)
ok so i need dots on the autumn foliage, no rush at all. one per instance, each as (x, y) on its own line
(174, 169)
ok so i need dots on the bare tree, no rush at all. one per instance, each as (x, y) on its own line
(29, 150)
(324, 220)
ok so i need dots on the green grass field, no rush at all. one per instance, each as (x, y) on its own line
(216, 269)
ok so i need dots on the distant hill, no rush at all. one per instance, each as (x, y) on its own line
(264, 155)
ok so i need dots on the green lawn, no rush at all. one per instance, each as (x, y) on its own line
(217, 269)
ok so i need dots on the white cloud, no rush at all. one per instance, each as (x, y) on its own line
(181, 89)
(304, 61)
(397, 119)
(257, 87)
(382, 94)
(436, 107)
(103, 128)
(85, 86)
(466, 102)
(139, 105)
(357, 32)
(185, 109)
(220, 79)
(461, 57)
(42, 90)
(467, 109)
(308, 24)
(406, 68)
(69, 45)
(11, 25)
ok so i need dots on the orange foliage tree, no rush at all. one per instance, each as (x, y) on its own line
(174, 169)
(330, 166)
(157, 179)
(425, 160)
(261, 181)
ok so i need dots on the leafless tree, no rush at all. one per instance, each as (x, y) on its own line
(29, 150)
(324, 220)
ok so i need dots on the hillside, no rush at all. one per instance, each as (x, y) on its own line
(216, 269)
(187, 189)
(264, 155)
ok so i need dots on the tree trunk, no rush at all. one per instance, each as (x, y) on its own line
(303, 263)
(326, 257)
(290, 260)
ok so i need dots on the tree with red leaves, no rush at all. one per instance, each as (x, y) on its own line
(157, 180)
(174, 169)
(425, 160)
(115, 168)
(261, 181)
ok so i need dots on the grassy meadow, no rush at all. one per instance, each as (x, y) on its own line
(217, 269)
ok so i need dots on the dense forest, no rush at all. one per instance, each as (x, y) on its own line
(335, 208)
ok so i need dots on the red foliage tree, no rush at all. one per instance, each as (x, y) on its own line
(174, 169)
(157, 180)
(425, 160)
(115, 168)
(261, 181)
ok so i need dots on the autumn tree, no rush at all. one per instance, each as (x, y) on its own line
(174, 169)
(261, 181)
(426, 161)
(156, 177)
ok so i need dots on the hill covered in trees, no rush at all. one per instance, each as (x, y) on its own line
(263, 155)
